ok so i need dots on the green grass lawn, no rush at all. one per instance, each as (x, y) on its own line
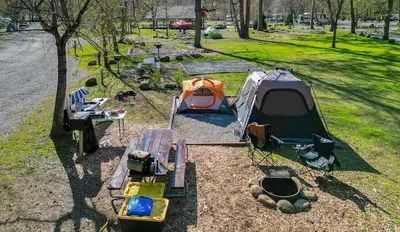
(357, 87)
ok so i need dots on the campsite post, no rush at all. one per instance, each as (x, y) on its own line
(118, 58)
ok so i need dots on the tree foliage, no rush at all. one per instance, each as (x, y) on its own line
(61, 18)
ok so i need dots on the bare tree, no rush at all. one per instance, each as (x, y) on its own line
(100, 28)
(388, 16)
(166, 16)
(334, 14)
(152, 5)
(61, 18)
(242, 25)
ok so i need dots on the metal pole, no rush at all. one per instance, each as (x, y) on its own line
(75, 47)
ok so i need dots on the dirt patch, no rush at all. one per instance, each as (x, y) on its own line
(67, 193)
(167, 73)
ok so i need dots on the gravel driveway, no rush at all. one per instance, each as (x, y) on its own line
(28, 73)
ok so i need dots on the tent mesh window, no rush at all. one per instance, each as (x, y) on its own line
(285, 103)
(247, 88)
(202, 92)
(251, 96)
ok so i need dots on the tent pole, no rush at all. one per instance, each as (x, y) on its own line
(320, 109)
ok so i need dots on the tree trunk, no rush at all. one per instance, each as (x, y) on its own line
(124, 21)
(331, 27)
(234, 16)
(353, 17)
(260, 16)
(334, 37)
(115, 44)
(334, 16)
(242, 19)
(312, 14)
(387, 20)
(166, 17)
(197, 34)
(58, 114)
(105, 54)
(153, 13)
(247, 22)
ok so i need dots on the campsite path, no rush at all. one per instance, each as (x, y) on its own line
(28, 73)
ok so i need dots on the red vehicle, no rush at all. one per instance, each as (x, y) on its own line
(181, 24)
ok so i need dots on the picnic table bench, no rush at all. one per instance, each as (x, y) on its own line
(157, 142)
(178, 178)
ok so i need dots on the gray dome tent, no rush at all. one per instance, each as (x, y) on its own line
(281, 100)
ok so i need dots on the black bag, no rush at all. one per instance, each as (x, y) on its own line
(90, 143)
(66, 122)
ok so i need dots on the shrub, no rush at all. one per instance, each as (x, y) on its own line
(155, 79)
(391, 41)
(179, 76)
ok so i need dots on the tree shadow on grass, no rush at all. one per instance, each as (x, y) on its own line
(349, 159)
(343, 191)
(83, 186)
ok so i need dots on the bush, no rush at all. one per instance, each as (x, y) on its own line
(391, 41)
(179, 76)
(155, 79)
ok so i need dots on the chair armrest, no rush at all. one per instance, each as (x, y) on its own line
(277, 143)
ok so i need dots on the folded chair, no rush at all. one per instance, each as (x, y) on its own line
(318, 156)
(261, 142)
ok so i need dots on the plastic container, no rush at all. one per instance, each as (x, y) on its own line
(153, 190)
(158, 211)
(153, 223)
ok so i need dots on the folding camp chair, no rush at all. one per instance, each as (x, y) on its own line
(261, 142)
(318, 156)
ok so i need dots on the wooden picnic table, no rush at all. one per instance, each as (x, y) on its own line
(158, 142)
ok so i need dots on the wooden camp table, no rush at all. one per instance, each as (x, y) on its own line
(157, 142)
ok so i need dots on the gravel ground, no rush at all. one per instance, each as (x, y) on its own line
(197, 128)
(28, 73)
(217, 66)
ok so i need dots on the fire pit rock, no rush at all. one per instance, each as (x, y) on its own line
(278, 190)
(309, 195)
(285, 206)
(253, 182)
(301, 204)
(256, 191)
(266, 201)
